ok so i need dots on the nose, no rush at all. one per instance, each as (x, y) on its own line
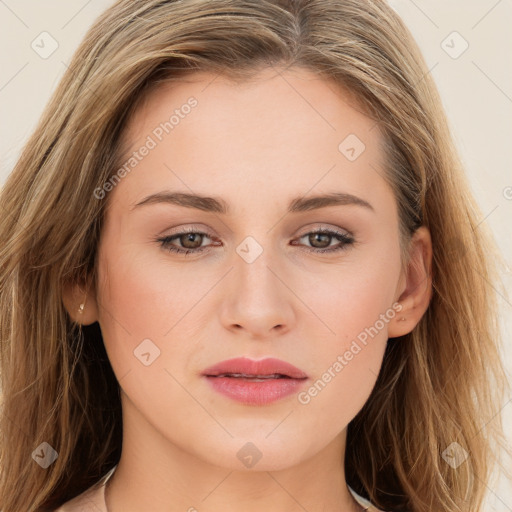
(257, 299)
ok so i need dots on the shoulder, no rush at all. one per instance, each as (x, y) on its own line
(91, 500)
(88, 501)
(364, 502)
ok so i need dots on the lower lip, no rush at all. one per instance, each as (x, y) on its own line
(255, 393)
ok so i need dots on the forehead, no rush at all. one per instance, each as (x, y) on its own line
(292, 92)
(278, 130)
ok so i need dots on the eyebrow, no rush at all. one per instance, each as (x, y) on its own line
(218, 205)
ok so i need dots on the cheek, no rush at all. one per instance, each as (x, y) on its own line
(144, 298)
(345, 363)
(143, 294)
(145, 328)
(133, 315)
(351, 297)
(353, 305)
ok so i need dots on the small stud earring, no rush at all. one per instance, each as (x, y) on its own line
(82, 306)
(402, 319)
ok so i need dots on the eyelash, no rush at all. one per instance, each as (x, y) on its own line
(347, 240)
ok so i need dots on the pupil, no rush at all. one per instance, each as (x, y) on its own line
(189, 237)
(315, 236)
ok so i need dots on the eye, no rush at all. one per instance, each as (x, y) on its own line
(191, 241)
(321, 240)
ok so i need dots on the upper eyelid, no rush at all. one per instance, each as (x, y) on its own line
(319, 227)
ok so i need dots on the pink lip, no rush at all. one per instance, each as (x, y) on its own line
(255, 392)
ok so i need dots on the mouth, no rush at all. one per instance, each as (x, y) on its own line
(246, 368)
(255, 382)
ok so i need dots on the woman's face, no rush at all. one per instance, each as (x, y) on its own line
(262, 150)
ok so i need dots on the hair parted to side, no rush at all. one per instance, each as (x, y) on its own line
(442, 383)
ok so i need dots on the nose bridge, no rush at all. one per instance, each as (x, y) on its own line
(257, 300)
(252, 269)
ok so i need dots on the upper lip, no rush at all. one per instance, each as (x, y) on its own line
(251, 367)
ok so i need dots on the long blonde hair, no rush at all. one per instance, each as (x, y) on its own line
(441, 384)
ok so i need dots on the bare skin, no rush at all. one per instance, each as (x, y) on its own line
(256, 145)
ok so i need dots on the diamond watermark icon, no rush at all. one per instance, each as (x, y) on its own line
(455, 455)
(249, 250)
(454, 45)
(44, 45)
(249, 454)
(44, 455)
(351, 147)
(146, 352)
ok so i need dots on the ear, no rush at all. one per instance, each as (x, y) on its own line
(415, 288)
(80, 302)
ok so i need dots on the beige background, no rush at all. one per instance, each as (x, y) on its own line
(476, 88)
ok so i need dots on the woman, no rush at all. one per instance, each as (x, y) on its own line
(240, 269)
